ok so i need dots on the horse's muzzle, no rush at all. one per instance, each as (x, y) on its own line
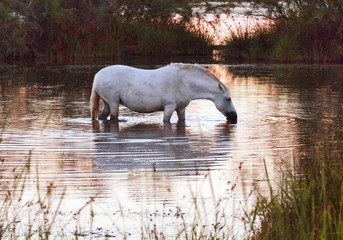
(232, 117)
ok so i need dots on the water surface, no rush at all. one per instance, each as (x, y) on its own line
(141, 173)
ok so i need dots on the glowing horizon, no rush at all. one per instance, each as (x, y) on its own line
(221, 27)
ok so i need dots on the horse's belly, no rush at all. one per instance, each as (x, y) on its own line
(143, 106)
(145, 109)
(146, 98)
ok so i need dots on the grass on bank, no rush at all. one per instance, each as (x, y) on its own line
(306, 205)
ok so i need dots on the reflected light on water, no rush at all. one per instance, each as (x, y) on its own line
(142, 172)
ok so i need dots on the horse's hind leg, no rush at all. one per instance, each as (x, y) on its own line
(105, 112)
(114, 109)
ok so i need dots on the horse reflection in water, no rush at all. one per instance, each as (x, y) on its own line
(170, 88)
(176, 149)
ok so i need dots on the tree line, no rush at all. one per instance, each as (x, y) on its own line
(300, 30)
(76, 28)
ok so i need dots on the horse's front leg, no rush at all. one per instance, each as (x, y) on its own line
(181, 114)
(168, 112)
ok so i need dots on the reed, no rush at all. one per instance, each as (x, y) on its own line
(260, 43)
(29, 214)
(200, 220)
(299, 31)
(307, 205)
(170, 39)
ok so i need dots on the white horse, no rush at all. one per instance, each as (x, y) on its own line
(168, 89)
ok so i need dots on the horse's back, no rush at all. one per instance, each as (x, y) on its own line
(114, 72)
(132, 75)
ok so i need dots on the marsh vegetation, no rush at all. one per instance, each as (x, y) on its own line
(307, 204)
(58, 28)
(298, 31)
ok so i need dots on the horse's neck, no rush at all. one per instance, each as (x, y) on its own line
(203, 89)
(202, 95)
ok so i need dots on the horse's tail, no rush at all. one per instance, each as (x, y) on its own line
(94, 103)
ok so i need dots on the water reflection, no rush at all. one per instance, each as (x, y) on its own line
(157, 147)
(141, 164)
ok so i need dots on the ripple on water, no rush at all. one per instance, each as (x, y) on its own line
(141, 167)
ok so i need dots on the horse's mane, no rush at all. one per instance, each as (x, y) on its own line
(195, 67)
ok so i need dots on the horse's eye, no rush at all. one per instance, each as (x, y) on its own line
(229, 99)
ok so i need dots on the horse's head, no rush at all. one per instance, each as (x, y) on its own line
(224, 104)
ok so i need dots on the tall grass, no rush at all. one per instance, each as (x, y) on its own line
(309, 204)
(29, 214)
(170, 39)
(299, 31)
(261, 43)
(206, 216)
(40, 215)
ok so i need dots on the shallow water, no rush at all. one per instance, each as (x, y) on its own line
(141, 173)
